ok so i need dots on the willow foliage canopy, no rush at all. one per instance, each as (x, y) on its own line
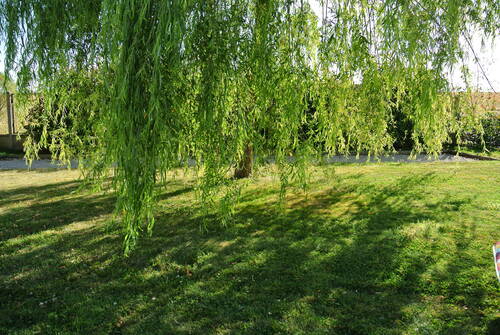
(166, 81)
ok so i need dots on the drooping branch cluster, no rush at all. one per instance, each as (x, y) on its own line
(207, 80)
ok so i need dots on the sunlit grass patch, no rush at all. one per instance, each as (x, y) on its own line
(366, 249)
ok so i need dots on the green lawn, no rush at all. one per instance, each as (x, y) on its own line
(371, 249)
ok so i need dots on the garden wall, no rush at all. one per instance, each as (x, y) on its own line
(11, 143)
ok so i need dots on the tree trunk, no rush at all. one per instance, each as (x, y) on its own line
(244, 168)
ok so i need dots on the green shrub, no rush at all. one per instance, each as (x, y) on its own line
(491, 133)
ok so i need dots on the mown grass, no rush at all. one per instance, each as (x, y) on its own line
(369, 249)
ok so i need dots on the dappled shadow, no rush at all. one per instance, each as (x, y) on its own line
(37, 192)
(177, 192)
(21, 221)
(337, 270)
(39, 208)
(335, 262)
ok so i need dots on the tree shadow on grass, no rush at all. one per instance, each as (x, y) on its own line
(338, 262)
(468, 295)
(31, 193)
(322, 276)
(48, 207)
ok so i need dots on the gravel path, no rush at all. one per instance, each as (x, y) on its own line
(20, 164)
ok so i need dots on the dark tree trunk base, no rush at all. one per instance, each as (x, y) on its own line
(244, 168)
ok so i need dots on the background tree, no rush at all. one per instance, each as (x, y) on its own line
(203, 79)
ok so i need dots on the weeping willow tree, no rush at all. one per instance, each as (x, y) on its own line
(220, 80)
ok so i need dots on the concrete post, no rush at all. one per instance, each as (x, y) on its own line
(10, 119)
(13, 114)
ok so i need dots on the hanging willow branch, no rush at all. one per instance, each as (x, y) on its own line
(189, 79)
